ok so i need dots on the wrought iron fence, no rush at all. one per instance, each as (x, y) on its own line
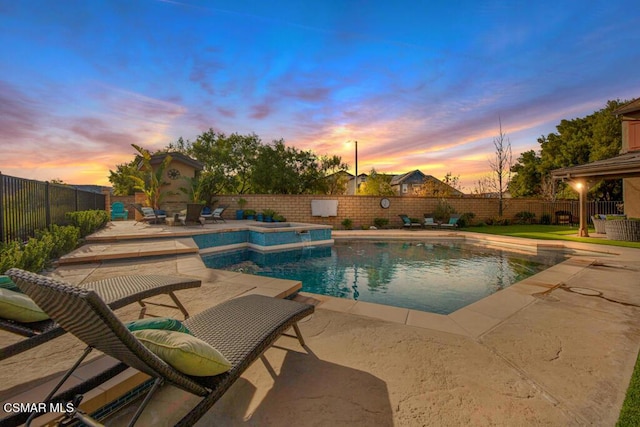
(573, 208)
(27, 205)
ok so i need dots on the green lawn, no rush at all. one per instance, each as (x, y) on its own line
(630, 413)
(548, 232)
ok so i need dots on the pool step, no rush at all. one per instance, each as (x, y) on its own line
(95, 252)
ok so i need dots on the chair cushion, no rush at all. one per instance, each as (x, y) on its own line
(186, 353)
(162, 323)
(19, 307)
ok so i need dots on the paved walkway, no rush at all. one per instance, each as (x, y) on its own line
(556, 349)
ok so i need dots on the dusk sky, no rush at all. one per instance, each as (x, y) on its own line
(419, 84)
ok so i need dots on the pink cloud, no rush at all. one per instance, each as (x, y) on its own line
(260, 111)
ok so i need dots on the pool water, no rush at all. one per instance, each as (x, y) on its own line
(438, 277)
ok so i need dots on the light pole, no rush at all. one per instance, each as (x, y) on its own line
(356, 181)
(356, 142)
(582, 189)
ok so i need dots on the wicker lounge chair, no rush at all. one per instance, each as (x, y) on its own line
(241, 329)
(192, 215)
(149, 215)
(117, 292)
(453, 221)
(214, 216)
(429, 221)
(408, 222)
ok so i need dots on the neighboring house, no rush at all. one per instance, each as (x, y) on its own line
(350, 180)
(626, 165)
(181, 166)
(415, 183)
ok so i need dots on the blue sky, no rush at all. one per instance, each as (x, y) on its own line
(419, 85)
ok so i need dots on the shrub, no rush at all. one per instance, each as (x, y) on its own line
(442, 211)
(88, 221)
(380, 222)
(37, 252)
(545, 219)
(347, 223)
(269, 213)
(525, 217)
(466, 219)
(10, 254)
(497, 221)
(65, 239)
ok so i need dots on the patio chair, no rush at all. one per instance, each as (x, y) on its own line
(149, 215)
(408, 222)
(214, 216)
(117, 292)
(453, 221)
(241, 329)
(118, 211)
(429, 221)
(192, 215)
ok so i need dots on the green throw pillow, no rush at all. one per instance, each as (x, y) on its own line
(615, 217)
(164, 323)
(186, 353)
(19, 307)
(7, 283)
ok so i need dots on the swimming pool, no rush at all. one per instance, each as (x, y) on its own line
(434, 276)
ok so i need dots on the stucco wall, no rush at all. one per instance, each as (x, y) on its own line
(631, 189)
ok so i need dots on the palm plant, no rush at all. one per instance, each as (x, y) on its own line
(194, 189)
(152, 181)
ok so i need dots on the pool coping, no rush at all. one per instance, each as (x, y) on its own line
(480, 317)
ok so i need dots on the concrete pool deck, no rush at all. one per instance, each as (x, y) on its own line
(542, 352)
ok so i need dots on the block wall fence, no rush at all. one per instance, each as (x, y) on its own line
(362, 210)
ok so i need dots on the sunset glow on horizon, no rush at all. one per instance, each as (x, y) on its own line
(419, 85)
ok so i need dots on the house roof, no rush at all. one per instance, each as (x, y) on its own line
(156, 159)
(623, 166)
(398, 179)
(631, 107)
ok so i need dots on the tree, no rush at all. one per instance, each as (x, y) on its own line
(121, 179)
(228, 160)
(152, 182)
(377, 184)
(285, 170)
(482, 186)
(527, 178)
(501, 166)
(578, 141)
(431, 187)
(333, 182)
(240, 164)
(452, 181)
